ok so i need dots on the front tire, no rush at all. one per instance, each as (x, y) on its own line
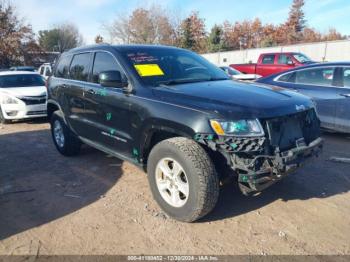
(182, 179)
(3, 120)
(64, 139)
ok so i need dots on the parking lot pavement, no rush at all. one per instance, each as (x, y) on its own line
(96, 204)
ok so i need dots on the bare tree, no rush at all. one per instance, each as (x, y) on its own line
(17, 39)
(144, 26)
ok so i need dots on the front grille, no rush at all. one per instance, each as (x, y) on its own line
(293, 130)
(33, 100)
(33, 113)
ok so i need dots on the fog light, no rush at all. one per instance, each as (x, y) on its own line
(11, 113)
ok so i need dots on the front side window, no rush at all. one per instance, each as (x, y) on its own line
(315, 76)
(170, 66)
(63, 66)
(79, 69)
(104, 62)
(48, 71)
(346, 77)
(29, 80)
(284, 59)
(268, 59)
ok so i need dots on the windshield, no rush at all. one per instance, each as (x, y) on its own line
(302, 58)
(9, 81)
(170, 66)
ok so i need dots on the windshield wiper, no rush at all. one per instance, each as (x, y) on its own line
(180, 81)
(218, 79)
(186, 81)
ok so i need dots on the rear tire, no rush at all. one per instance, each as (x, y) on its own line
(195, 186)
(64, 139)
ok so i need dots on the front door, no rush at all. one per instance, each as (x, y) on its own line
(107, 109)
(317, 83)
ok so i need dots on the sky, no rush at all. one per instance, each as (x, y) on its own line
(90, 15)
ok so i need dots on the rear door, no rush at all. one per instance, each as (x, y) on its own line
(267, 65)
(317, 83)
(107, 109)
(74, 92)
(342, 119)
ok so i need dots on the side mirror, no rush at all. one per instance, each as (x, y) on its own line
(112, 79)
(290, 62)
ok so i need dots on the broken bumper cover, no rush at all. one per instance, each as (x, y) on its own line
(273, 168)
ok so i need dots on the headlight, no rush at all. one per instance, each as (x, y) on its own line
(237, 128)
(6, 99)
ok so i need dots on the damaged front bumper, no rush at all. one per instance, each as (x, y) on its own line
(256, 171)
(264, 170)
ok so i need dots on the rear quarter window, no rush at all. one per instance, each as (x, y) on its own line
(288, 78)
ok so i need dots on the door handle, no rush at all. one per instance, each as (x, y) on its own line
(346, 95)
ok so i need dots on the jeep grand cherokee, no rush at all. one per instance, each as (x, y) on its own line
(181, 119)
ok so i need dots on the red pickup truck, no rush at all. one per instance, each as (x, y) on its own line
(272, 63)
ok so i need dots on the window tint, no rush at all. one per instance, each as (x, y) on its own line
(63, 67)
(317, 76)
(346, 75)
(104, 62)
(287, 78)
(42, 70)
(284, 59)
(79, 69)
(268, 59)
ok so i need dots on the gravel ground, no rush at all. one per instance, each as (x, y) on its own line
(96, 204)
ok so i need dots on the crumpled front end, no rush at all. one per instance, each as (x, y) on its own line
(261, 161)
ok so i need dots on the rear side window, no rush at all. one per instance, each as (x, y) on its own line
(104, 62)
(62, 68)
(284, 59)
(268, 59)
(80, 67)
(316, 76)
(346, 77)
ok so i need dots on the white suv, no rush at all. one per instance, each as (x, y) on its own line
(22, 95)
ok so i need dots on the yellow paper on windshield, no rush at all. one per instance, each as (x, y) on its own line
(149, 70)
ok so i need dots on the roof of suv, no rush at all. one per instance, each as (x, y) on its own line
(116, 47)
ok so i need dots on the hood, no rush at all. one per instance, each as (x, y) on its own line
(235, 100)
(25, 91)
